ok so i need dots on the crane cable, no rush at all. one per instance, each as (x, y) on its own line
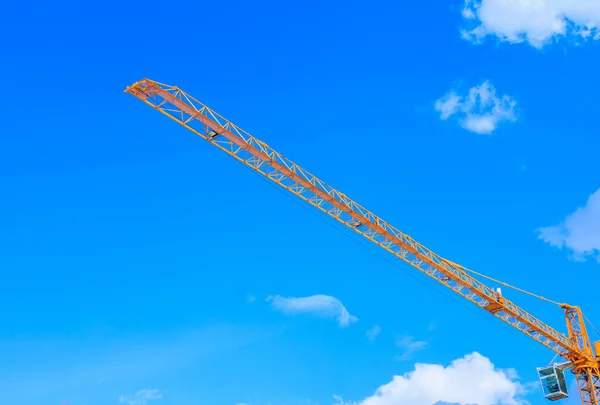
(501, 282)
(591, 324)
(554, 358)
(518, 289)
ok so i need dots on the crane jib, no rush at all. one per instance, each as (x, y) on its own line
(256, 154)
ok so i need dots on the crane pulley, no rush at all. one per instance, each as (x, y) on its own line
(575, 347)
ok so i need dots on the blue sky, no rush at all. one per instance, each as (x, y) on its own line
(140, 266)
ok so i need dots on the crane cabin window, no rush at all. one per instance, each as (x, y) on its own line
(553, 382)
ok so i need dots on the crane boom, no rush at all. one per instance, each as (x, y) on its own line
(257, 155)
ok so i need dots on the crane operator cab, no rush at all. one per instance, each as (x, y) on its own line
(554, 383)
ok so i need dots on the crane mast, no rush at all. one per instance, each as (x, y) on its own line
(576, 348)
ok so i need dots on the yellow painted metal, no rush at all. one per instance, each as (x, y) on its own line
(587, 369)
(588, 382)
(220, 132)
(505, 284)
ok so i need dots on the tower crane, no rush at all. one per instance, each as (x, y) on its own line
(575, 347)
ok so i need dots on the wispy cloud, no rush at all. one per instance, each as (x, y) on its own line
(60, 366)
(480, 111)
(579, 232)
(320, 305)
(535, 22)
(456, 382)
(141, 397)
(373, 332)
(409, 346)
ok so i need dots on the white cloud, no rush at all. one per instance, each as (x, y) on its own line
(373, 332)
(409, 346)
(141, 397)
(579, 232)
(537, 22)
(480, 110)
(320, 305)
(472, 379)
(75, 364)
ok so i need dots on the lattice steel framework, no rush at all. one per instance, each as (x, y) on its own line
(257, 155)
(587, 372)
